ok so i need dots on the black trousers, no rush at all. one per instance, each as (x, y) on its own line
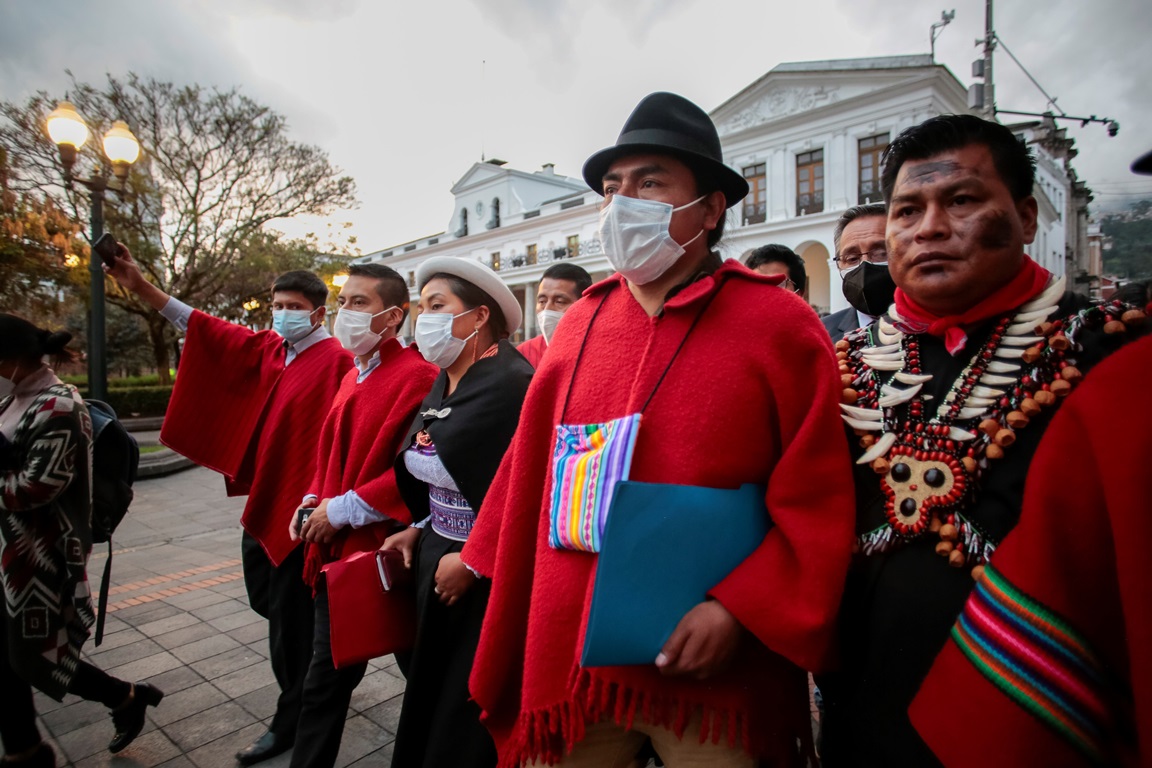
(280, 595)
(18, 731)
(327, 692)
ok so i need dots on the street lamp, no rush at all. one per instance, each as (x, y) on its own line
(68, 131)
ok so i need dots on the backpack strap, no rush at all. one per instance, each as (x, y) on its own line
(102, 601)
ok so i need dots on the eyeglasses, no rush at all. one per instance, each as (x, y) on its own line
(788, 285)
(850, 259)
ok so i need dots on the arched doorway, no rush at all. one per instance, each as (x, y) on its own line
(815, 256)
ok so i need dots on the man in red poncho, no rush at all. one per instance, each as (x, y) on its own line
(1049, 663)
(948, 393)
(561, 286)
(669, 337)
(250, 405)
(354, 494)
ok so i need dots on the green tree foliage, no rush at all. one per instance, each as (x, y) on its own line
(267, 255)
(215, 169)
(1130, 254)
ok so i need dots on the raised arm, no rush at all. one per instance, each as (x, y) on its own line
(127, 273)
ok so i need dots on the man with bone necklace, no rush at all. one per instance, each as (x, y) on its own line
(947, 396)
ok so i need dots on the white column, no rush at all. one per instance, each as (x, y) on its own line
(529, 310)
(837, 174)
(778, 180)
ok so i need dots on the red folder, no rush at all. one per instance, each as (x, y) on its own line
(371, 606)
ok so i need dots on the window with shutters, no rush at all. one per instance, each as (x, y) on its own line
(755, 204)
(870, 151)
(810, 182)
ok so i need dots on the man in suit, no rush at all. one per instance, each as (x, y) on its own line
(862, 258)
(776, 259)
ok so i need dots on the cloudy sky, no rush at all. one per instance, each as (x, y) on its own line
(397, 92)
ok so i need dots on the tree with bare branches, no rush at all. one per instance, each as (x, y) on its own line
(215, 169)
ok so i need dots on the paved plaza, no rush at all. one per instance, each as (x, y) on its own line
(179, 619)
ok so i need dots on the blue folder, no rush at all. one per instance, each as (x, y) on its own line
(664, 547)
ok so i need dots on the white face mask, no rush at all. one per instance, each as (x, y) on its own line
(548, 319)
(636, 240)
(435, 340)
(293, 324)
(354, 330)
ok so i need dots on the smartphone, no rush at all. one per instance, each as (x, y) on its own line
(302, 517)
(107, 248)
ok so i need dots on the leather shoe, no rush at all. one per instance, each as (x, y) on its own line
(129, 717)
(264, 748)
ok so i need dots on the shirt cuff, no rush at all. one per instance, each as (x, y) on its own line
(177, 313)
(421, 523)
(310, 500)
(350, 509)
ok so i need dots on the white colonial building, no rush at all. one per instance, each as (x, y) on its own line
(808, 137)
(518, 223)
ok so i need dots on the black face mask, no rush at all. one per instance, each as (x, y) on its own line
(869, 288)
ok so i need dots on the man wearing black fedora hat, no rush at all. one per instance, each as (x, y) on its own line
(666, 339)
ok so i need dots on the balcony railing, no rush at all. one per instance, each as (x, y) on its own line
(548, 255)
(755, 213)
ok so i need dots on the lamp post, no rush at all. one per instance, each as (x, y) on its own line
(68, 131)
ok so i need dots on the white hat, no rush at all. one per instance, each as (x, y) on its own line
(480, 276)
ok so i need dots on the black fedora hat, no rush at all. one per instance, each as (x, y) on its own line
(665, 123)
(1143, 164)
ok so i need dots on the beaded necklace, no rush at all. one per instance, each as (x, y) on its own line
(930, 464)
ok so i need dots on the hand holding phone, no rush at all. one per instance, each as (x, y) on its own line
(106, 248)
(302, 517)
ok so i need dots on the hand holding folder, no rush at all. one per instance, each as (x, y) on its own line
(371, 606)
(664, 547)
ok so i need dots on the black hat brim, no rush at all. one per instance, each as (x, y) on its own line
(1143, 164)
(733, 185)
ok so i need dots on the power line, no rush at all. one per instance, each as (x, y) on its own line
(1051, 100)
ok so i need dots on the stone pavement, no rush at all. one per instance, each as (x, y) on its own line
(179, 619)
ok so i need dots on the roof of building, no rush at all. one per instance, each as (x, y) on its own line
(841, 65)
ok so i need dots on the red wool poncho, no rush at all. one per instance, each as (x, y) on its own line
(1049, 663)
(362, 436)
(533, 350)
(751, 398)
(237, 409)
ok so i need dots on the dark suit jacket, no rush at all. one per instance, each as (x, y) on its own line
(839, 323)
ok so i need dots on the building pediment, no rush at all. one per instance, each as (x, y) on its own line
(790, 89)
(479, 175)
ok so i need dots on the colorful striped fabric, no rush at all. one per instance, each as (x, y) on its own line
(587, 462)
(1039, 661)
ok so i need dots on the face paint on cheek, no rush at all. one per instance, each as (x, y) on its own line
(897, 243)
(993, 230)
